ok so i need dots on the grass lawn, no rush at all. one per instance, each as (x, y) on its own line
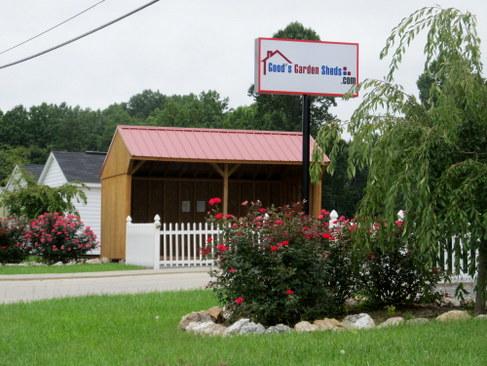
(123, 330)
(73, 268)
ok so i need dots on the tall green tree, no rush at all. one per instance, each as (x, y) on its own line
(429, 158)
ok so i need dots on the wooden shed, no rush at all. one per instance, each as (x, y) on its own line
(174, 171)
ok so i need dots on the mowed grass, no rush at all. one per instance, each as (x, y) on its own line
(123, 330)
(72, 268)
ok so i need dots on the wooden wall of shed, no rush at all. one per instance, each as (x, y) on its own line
(164, 196)
(117, 160)
(116, 183)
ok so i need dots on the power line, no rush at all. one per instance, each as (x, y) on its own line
(51, 28)
(79, 37)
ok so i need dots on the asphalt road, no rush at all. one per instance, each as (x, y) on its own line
(36, 287)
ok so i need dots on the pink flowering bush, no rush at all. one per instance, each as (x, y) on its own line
(58, 237)
(12, 246)
(281, 266)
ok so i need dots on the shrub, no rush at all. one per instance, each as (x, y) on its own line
(396, 271)
(280, 266)
(12, 247)
(56, 237)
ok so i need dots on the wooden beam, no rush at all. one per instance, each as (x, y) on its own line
(225, 188)
(316, 190)
(218, 169)
(234, 168)
(138, 166)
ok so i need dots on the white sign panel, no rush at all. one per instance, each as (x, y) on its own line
(287, 66)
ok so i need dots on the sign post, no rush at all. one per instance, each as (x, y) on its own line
(306, 151)
(307, 68)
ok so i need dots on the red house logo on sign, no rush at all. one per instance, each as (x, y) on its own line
(271, 54)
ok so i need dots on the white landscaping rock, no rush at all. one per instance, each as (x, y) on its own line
(252, 327)
(396, 320)
(305, 326)
(235, 327)
(196, 316)
(454, 315)
(279, 328)
(207, 328)
(358, 321)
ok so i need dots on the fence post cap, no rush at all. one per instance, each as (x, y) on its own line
(333, 215)
(129, 220)
(157, 221)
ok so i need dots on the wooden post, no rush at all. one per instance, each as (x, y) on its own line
(225, 189)
(316, 196)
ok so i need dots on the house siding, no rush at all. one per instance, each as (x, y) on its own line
(90, 212)
(54, 176)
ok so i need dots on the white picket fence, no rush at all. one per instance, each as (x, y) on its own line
(170, 245)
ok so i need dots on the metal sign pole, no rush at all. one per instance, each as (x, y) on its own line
(306, 153)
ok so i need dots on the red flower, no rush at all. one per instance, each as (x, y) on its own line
(245, 203)
(231, 270)
(326, 236)
(222, 248)
(214, 201)
(274, 248)
(262, 210)
(399, 223)
(218, 216)
(325, 212)
(229, 216)
(239, 300)
(205, 251)
(283, 243)
(209, 240)
(289, 292)
(278, 222)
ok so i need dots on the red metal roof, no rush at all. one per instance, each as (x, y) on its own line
(205, 144)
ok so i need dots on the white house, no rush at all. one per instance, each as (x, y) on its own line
(78, 167)
(18, 179)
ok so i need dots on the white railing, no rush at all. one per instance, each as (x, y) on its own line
(179, 245)
(169, 245)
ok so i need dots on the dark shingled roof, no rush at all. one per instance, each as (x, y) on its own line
(81, 166)
(33, 169)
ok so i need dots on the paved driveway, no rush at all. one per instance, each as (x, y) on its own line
(15, 288)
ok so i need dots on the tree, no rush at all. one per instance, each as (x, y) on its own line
(204, 110)
(143, 104)
(428, 158)
(284, 112)
(35, 199)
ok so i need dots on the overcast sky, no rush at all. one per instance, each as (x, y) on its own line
(184, 46)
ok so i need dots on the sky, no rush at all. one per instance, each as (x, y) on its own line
(181, 47)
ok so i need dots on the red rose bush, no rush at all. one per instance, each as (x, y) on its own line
(281, 266)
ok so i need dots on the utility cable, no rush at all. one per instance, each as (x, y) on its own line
(79, 37)
(52, 28)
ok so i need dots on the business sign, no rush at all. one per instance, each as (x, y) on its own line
(289, 66)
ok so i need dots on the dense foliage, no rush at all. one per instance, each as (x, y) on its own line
(428, 156)
(12, 246)
(279, 266)
(34, 199)
(395, 271)
(58, 237)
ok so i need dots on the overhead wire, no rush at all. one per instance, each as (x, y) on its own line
(51, 28)
(79, 37)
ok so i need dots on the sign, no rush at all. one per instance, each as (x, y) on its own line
(289, 66)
